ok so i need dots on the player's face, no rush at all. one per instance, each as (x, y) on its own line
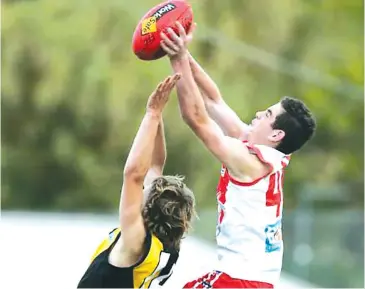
(261, 131)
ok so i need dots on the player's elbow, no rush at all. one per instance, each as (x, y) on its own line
(191, 121)
(193, 118)
(133, 173)
(195, 126)
(185, 116)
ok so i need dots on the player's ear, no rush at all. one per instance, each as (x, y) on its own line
(277, 135)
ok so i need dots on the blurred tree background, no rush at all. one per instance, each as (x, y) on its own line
(73, 95)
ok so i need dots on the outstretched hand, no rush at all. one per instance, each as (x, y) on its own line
(176, 45)
(160, 96)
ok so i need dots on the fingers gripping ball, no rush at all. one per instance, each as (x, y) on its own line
(146, 37)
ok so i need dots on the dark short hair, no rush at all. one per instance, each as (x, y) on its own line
(297, 122)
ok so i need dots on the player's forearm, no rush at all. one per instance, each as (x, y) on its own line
(191, 103)
(140, 156)
(215, 105)
(205, 83)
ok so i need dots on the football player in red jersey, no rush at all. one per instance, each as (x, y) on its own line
(253, 155)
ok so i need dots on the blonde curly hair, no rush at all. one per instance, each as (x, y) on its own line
(169, 209)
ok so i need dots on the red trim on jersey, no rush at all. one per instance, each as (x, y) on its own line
(221, 192)
(245, 184)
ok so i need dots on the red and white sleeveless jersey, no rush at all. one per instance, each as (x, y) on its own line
(249, 238)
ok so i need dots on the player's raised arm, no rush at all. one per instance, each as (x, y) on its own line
(158, 157)
(217, 108)
(137, 165)
(229, 151)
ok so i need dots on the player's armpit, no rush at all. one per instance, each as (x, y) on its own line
(153, 173)
(130, 245)
(233, 153)
(246, 165)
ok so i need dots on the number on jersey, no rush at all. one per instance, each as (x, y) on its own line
(221, 197)
(273, 194)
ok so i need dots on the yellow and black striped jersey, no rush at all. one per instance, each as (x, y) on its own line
(155, 266)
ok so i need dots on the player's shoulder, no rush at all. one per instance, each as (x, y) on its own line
(269, 155)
